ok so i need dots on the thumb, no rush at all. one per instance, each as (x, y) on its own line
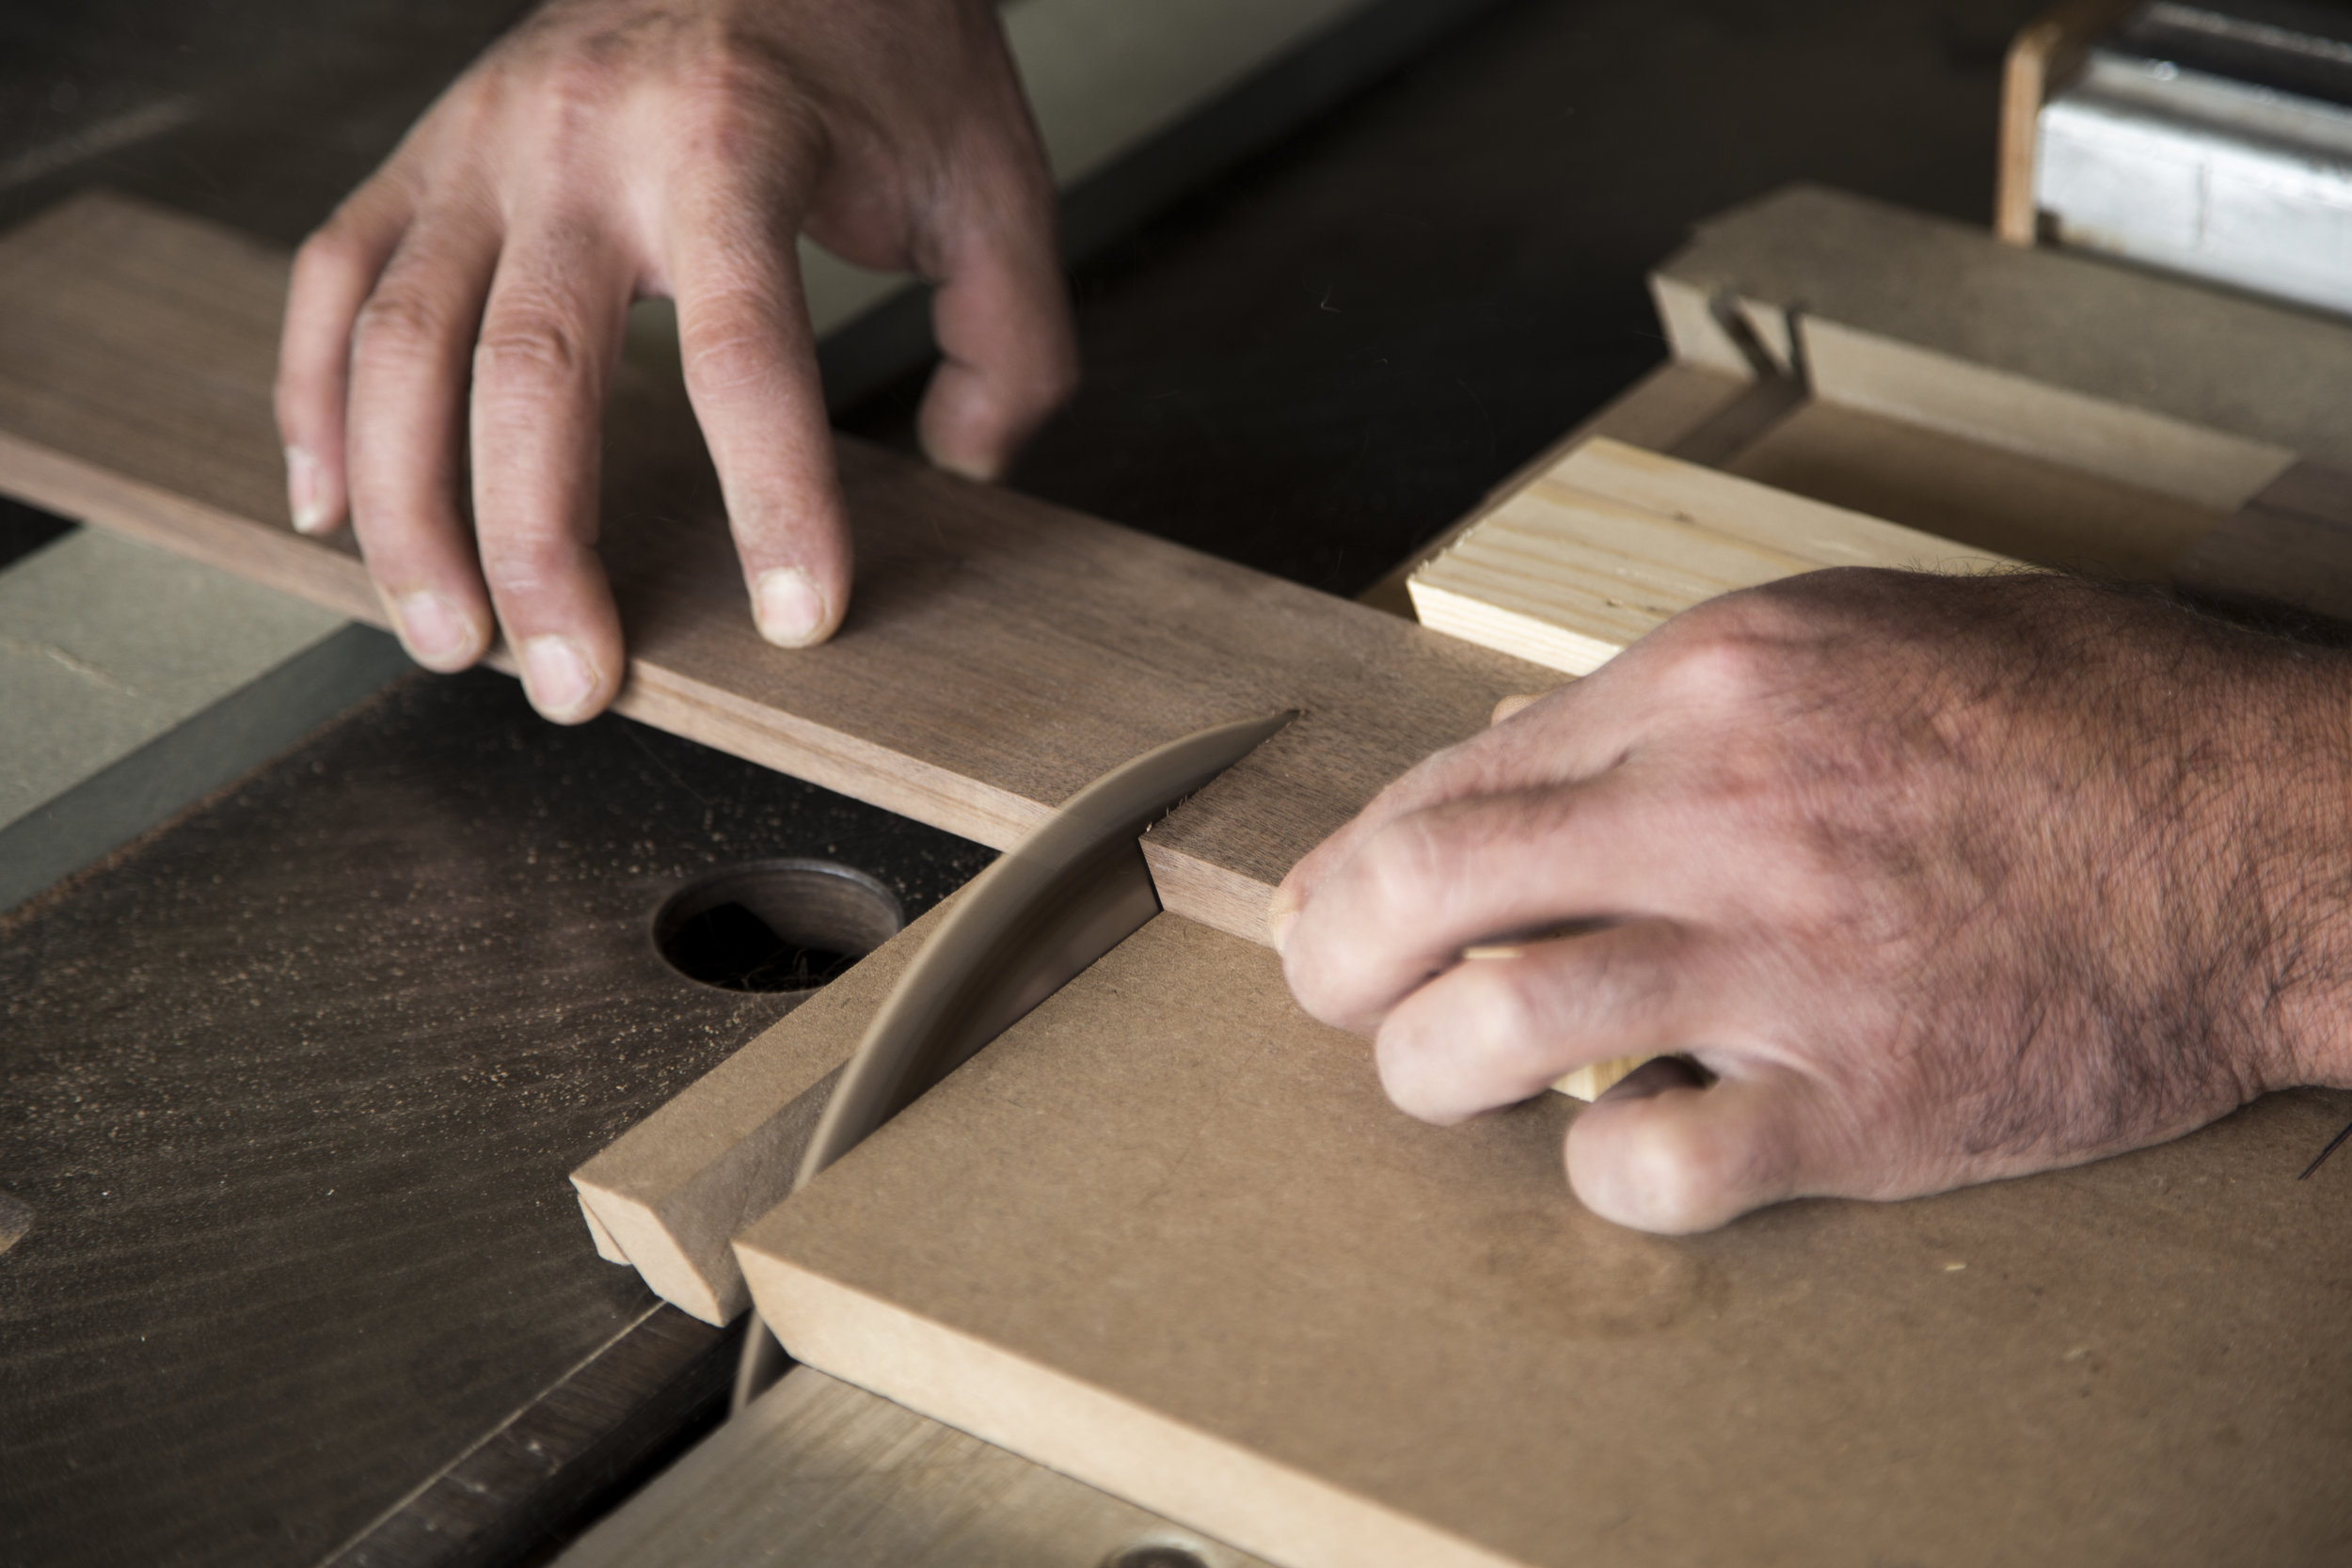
(1660, 1153)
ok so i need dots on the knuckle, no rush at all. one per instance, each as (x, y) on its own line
(527, 556)
(399, 321)
(534, 345)
(1404, 864)
(330, 255)
(739, 105)
(1499, 1019)
(1723, 657)
(731, 348)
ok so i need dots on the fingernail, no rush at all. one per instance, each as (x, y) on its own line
(1491, 953)
(303, 491)
(791, 610)
(440, 635)
(1280, 915)
(561, 679)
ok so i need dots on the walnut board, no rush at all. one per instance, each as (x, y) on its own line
(1168, 1236)
(1000, 652)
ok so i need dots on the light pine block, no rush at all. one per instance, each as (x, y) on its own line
(1611, 540)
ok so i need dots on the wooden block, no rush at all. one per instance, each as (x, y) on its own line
(2126, 444)
(2290, 548)
(1000, 654)
(1168, 1236)
(2108, 335)
(669, 1194)
(1613, 541)
(1988, 497)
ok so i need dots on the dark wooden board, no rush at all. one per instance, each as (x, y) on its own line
(1001, 653)
(291, 1091)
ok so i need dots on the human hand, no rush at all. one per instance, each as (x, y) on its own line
(452, 329)
(1940, 880)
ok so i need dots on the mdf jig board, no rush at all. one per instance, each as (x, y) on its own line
(2151, 381)
(1000, 652)
(1168, 1236)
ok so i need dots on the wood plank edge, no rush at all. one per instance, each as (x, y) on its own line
(665, 699)
(648, 1243)
(1200, 1481)
(835, 759)
(72, 487)
(1208, 894)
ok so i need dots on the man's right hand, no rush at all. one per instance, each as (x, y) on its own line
(452, 329)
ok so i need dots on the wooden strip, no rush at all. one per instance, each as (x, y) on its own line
(1168, 1236)
(820, 1473)
(1757, 514)
(2045, 54)
(1988, 497)
(1000, 655)
(2266, 373)
(2115, 440)
(2290, 548)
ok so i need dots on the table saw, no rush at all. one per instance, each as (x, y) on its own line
(441, 918)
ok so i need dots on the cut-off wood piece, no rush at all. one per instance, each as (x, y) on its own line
(2289, 549)
(2047, 52)
(672, 1191)
(1611, 540)
(1000, 652)
(1169, 1237)
(2265, 373)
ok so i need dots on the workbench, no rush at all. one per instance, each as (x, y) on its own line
(393, 906)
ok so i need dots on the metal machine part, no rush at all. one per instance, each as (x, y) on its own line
(1073, 889)
(2213, 140)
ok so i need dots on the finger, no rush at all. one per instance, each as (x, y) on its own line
(1008, 348)
(333, 273)
(410, 354)
(1507, 1022)
(751, 373)
(1435, 882)
(1488, 762)
(1675, 1159)
(551, 334)
(1694, 671)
